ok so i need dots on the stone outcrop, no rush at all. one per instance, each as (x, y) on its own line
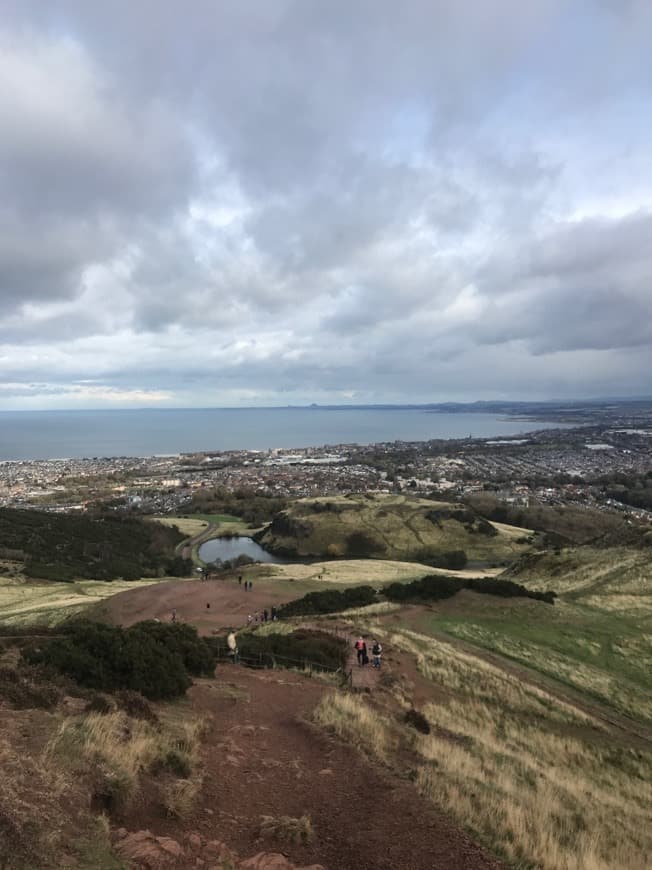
(143, 849)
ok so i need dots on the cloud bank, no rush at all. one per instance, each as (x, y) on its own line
(286, 202)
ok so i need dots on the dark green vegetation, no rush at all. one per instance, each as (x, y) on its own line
(434, 587)
(562, 524)
(150, 657)
(391, 527)
(631, 489)
(247, 504)
(330, 601)
(107, 547)
(299, 648)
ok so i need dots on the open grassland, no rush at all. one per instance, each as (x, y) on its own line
(539, 781)
(392, 527)
(360, 572)
(611, 579)
(597, 638)
(23, 604)
(186, 525)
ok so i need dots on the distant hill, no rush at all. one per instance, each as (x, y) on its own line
(392, 527)
(70, 546)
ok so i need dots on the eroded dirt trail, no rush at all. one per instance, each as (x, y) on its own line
(263, 757)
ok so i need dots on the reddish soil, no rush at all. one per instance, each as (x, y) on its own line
(263, 757)
(229, 604)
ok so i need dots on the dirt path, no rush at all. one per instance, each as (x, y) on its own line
(263, 757)
(637, 733)
(229, 604)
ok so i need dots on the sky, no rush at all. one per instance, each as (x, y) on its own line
(292, 201)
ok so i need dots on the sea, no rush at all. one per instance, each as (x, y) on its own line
(169, 431)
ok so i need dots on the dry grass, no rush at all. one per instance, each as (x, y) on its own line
(23, 604)
(122, 748)
(352, 718)
(187, 526)
(398, 524)
(180, 796)
(536, 779)
(287, 829)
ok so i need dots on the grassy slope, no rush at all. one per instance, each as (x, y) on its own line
(399, 525)
(542, 783)
(23, 604)
(597, 637)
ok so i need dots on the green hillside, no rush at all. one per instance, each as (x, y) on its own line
(392, 527)
(71, 546)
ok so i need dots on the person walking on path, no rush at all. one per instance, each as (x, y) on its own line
(240, 581)
(174, 615)
(376, 653)
(232, 644)
(359, 646)
(365, 654)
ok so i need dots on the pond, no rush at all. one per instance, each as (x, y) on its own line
(231, 548)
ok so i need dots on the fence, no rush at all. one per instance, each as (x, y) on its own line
(265, 660)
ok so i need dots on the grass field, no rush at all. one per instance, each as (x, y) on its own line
(537, 780)
(186, 525)
(597, 637)
(50, 603)
(396, 527)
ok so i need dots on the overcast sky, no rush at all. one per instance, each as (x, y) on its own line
(229, 202)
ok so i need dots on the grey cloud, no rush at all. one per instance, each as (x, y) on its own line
(321, 196)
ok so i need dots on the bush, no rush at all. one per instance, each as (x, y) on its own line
(436, 588)
(149, 657)
(451, 559)
(418, 721)
(330, 601)
(304, 645)
(23, 691)
(363, 545)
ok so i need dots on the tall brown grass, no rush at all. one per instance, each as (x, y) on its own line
(542, 783)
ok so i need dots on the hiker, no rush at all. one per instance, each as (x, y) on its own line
(273, 614)
(250, 619)
(174, 616)
(359, 645)
(240, 580)
(232, 644)
(208, 606)
(256, 617)
(265, 615)
(365, 654)
(376, 653)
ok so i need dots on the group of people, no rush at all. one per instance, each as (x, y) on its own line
(263, 616)
(363, 653)
(248, 585)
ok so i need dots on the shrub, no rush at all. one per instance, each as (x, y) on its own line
(330, 601)
(438, 587)
(287, 829)
(149, 657)
(304, 645)
(451, 559)
(362, 544)
(418, 721)
(24, 691)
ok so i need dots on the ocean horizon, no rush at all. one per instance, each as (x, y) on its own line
(57, 434)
